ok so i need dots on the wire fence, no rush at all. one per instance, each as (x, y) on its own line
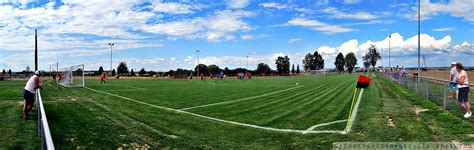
(43, 127)
(434, 90)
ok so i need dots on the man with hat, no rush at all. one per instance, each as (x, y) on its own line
(29, 93)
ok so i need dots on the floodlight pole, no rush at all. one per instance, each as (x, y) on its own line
(111, 45)
(247, 65)
(419, 38)
(197, 51)
(382, 58)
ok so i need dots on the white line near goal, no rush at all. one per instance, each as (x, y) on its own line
(231, 122)
(242, 99)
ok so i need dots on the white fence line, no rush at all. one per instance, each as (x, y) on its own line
(43, 127)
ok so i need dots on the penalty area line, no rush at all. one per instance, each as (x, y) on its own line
(221, 120)
(242, 99)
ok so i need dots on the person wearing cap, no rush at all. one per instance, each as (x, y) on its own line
(463, 88)
(29, 93)
(453, 73)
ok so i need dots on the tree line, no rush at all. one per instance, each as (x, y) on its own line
(311, 61)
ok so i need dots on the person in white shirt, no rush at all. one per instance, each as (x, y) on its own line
(463, 88)
(29, 94)
(453, 73)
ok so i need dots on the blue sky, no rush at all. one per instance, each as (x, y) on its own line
(163, 35)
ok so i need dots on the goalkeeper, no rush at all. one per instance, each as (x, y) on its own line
(102, 79)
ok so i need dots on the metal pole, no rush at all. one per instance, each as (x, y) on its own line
(382, 58)
(418, 69)
(247, 65)
(198, 62)
(36, 50)
(444, 94)
(111, 45)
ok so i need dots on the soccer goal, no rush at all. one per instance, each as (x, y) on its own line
(72, 76)
(318, 72)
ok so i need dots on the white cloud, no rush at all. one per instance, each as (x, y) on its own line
(322, 2)
(273, 5)
(351, 1)
(353, 15)
(247, 37)
(399, 47)
(175, 8)
(319, 26)
(457, 8)
(237, 4)
(444, 29)
(218, 26)
(293, 40)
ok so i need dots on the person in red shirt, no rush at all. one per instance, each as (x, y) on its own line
(202, 76)
(102, 79)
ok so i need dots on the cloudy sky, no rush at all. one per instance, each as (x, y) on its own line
(163, 35)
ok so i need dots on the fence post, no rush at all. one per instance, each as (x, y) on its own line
(427, 89)
(444, 94)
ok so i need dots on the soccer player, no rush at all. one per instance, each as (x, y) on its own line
(190, 76)
(453, 74)
(102, 79)
(463, 88)
(222, 75)
(29, 94)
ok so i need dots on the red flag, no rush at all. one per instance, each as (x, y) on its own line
(363, 82)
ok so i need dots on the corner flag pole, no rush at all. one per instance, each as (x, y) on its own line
(362, 83)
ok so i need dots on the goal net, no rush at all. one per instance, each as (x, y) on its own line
(72, 76)
(317, 72)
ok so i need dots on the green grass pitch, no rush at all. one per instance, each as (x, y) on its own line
(147, 113)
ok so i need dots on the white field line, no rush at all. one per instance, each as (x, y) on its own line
(130, 87)
(123, 90)
(242, 99)
(324, 124)
(355, 111)
(220, 120)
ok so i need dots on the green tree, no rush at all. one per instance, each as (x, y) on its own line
(263, 69)
(372, 56)
(4, 72)
(318, 61)
(283, 65)
(214, 69)
(293, 69)
(351, 61)
(101, 70)
(340, 62)
(132, 73)
(122, 68)
(113, 72)
(227, 71)
(308, 62)
(28, 70)
(141, 72)
(202, 69)
(366, 65)
(298, 69)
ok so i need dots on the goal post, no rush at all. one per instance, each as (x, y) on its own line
(72, 76)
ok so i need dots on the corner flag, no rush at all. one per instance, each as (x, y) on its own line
(362, 83)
